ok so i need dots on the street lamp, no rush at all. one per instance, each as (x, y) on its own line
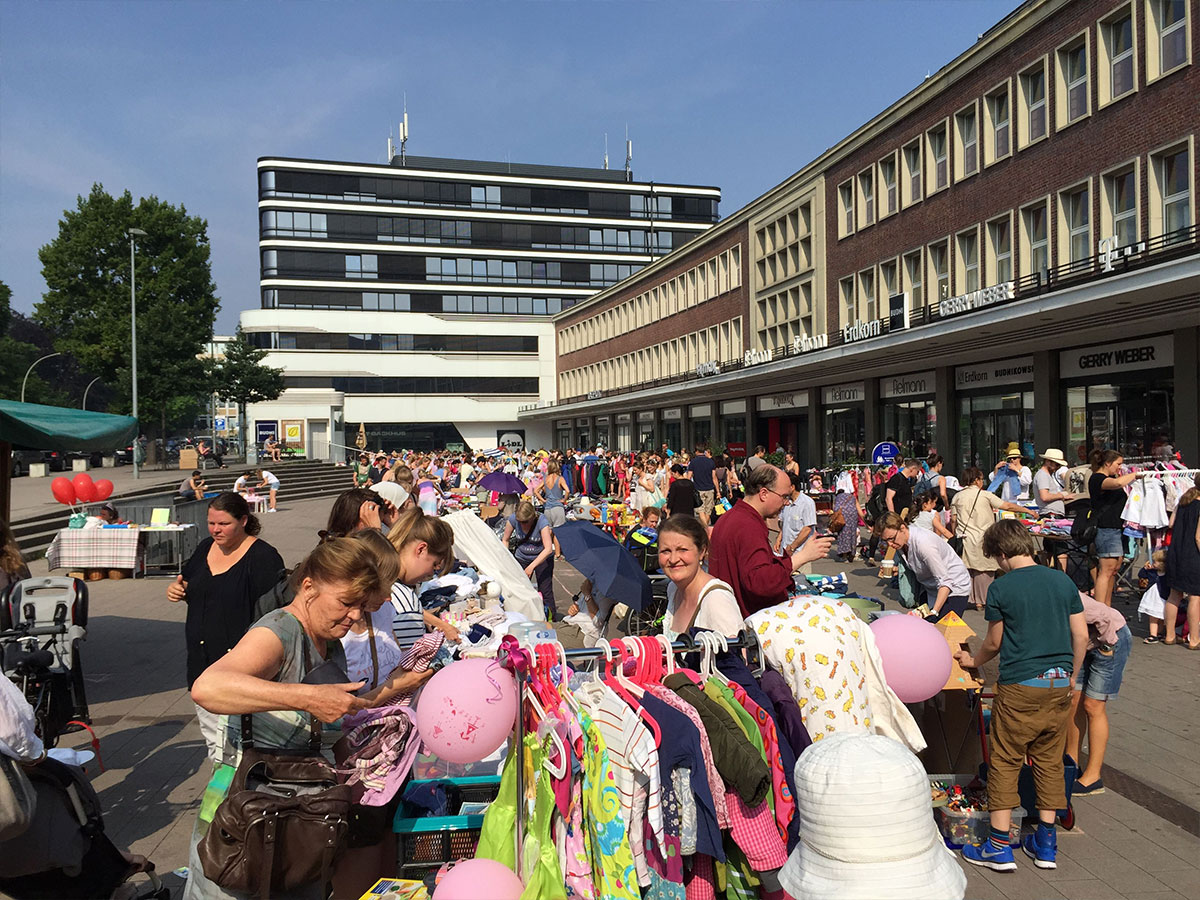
(83, 405)
(134, 234)
(30, 369)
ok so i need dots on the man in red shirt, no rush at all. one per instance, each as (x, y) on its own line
(740, 553)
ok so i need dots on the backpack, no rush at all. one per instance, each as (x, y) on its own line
(279, 596)
(1083, 526)
(876, 505)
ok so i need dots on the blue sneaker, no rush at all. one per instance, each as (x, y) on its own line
(1042, 848)
(989, 857)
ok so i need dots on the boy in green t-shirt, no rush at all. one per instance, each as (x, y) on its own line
(1036, 624)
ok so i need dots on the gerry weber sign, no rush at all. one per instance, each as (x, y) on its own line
(1121, 356)
(976, 300)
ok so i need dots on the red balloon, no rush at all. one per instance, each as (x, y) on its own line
(104, 489)
(85, 489)
(63, 490)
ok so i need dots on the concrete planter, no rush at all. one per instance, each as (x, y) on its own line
(108, 462)
(38, 470)
(80, 465)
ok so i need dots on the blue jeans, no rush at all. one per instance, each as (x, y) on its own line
(1110, 543)
(1101, 673)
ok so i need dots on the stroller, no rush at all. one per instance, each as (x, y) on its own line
(42, 623)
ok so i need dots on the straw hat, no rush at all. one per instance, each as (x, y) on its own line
(1055, 455)
(866, 826)
(1014, 449)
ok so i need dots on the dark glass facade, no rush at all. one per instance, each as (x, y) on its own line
(462, 385)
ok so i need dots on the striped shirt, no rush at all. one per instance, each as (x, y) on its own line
(408, 626)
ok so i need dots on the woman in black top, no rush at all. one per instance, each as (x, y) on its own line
(1106, 487)
(1183, 567)
(220, 583)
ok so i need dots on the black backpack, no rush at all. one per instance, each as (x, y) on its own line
(876, 506)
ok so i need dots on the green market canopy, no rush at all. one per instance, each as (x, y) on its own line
(32, 426)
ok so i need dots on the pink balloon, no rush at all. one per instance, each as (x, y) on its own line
(916, 657)
(104, 489)
(85, 490)
(479, 879)
(466, 711)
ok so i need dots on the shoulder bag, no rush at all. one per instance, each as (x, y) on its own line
(956, 542)
(284, 821)
(837, 522)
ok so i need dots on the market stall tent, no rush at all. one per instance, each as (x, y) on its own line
(32, 426)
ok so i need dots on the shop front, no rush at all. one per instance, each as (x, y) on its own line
(562, 434)
(624, 426)
(783, 422)
(845, 423)
(700, 418)
(733, 427)
(645, 431)
(672, 428)
(1120, 396)
(909, 413)
(583, 433)
(602, 432)
(995, 408)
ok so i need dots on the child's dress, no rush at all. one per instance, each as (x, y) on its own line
(1152, 600)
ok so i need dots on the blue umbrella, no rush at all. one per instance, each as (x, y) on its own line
(613, 570)
(502, 483)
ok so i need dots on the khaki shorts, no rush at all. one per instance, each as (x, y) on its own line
(1028, 721)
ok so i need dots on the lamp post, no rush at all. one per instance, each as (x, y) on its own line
(30, 369)
(134, 234)
(83, 405)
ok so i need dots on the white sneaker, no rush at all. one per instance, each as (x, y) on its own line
(271, 510)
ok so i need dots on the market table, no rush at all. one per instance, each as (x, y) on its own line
(97, 548)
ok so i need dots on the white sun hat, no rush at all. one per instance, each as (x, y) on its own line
(866, 826)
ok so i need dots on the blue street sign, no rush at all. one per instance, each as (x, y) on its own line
(884, 452)
(219, 423)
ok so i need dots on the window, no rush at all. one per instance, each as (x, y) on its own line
(996, 122)
(1116, 69)
(846, 300)
(911, 184)
(888, 200)
(1035, 239)
(1072, 102)
(1171, 193)
(1033, 105)
(888, 281)
(939, 271)
(937, 151)
(1119, 206)
(966, 143)
(913, 280)
(866, 296)
(1075, 227)
(1167, 37)
(845, 209)
(866, 197)
(999, 251)
(967, 273)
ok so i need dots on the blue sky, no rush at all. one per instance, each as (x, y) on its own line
(178, 99)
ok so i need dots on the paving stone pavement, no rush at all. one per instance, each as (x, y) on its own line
(156, 772)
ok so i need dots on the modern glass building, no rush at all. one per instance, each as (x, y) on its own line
(415, 299)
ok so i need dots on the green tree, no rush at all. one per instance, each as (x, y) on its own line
(86, 309)
(241, 377)
(19, 348)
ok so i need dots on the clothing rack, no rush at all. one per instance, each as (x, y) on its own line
(744, 641)
(1162, 473)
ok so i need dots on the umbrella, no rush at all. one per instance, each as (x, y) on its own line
(502, 483)
(611, 568)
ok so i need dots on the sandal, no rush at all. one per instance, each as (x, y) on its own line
(1153, 639)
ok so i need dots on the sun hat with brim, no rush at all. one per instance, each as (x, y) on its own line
(1014, 449)
(1055, 455)
(866, 826)
(391, 492)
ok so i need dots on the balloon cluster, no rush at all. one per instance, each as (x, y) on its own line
(80, 489)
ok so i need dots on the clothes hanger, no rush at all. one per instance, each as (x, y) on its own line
(668, 654)
(621, 685)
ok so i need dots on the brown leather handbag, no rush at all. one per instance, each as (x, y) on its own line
(282, 824)
(837, 522)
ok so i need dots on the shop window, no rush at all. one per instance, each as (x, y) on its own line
(1072, 100)
(1075, 227)
(1171, 213)
(999, 251)
(937, 150)
(866, 296)
(939, 271)
(966, 274)
(1119, 206)
(1116, 66)
(1035, 239)
(913, 280)
(966, 143)
(997, 114)
(911, 183)
(1168, 37)
(846, 300)
(845, 209)
(1032, 100)
(866, 198)
(888, 199)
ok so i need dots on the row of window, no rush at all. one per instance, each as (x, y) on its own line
(982, 132)
(429, 192)
(698, 284)
(674, 357)
(517, 235)
(419, 343)
(450, 384)
(987, 254)
(476, 304)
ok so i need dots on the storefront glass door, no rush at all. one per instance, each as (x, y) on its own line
(701, 431)
(1134, 418)
(673, 435)
(624, 438)
(845, 435)
(987, 425)
(911, 425)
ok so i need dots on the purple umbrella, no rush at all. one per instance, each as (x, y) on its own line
(502, 483)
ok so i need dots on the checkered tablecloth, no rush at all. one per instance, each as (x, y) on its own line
(97, 548)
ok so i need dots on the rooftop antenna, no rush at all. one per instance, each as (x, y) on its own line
(404, 131)
(391, 147)
(628, 156)
(606, 150)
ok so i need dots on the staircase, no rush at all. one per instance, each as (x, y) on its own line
(299, 480)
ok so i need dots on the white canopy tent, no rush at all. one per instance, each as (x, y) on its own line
(477, 544)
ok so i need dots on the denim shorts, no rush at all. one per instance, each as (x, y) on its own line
(1110, 543)
(1100, 676)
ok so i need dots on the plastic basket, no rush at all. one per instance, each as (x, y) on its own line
(425, 843)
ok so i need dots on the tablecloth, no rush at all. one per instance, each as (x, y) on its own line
(97, 548)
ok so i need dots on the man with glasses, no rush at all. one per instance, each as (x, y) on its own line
(934, 563)
(741, 553)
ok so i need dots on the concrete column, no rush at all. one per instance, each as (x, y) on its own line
(1187, 395)
(1047, 401)
(946, 407)
(816, 428)
(872, 413)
